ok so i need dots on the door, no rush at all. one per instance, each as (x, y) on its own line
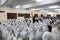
(11, 15)
(58, 16)
(27, 16)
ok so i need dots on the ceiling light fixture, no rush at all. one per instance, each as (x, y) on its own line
(26, 6)
(53, 7)
(33, 9)
(18, 6)
(38, 0)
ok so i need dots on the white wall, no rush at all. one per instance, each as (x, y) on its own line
(11, 10)
(3, 16)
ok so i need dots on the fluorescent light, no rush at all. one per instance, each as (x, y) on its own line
(33, 9)
(38, 0)
(26, 6)
(57, 9)
(53, 7)
(18, 6)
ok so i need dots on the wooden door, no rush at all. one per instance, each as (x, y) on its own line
(27, 16)
(58, 16)
(35, 15)
(11, 15)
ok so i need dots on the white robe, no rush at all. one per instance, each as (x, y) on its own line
(55, 34)
(47, 36)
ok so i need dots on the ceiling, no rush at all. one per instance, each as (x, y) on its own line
(32, 4)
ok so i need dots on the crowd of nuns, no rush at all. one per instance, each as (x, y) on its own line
(39, 29)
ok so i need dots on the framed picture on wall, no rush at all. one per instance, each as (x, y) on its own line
(20, 15)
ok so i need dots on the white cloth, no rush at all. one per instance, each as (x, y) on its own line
(47, 36)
